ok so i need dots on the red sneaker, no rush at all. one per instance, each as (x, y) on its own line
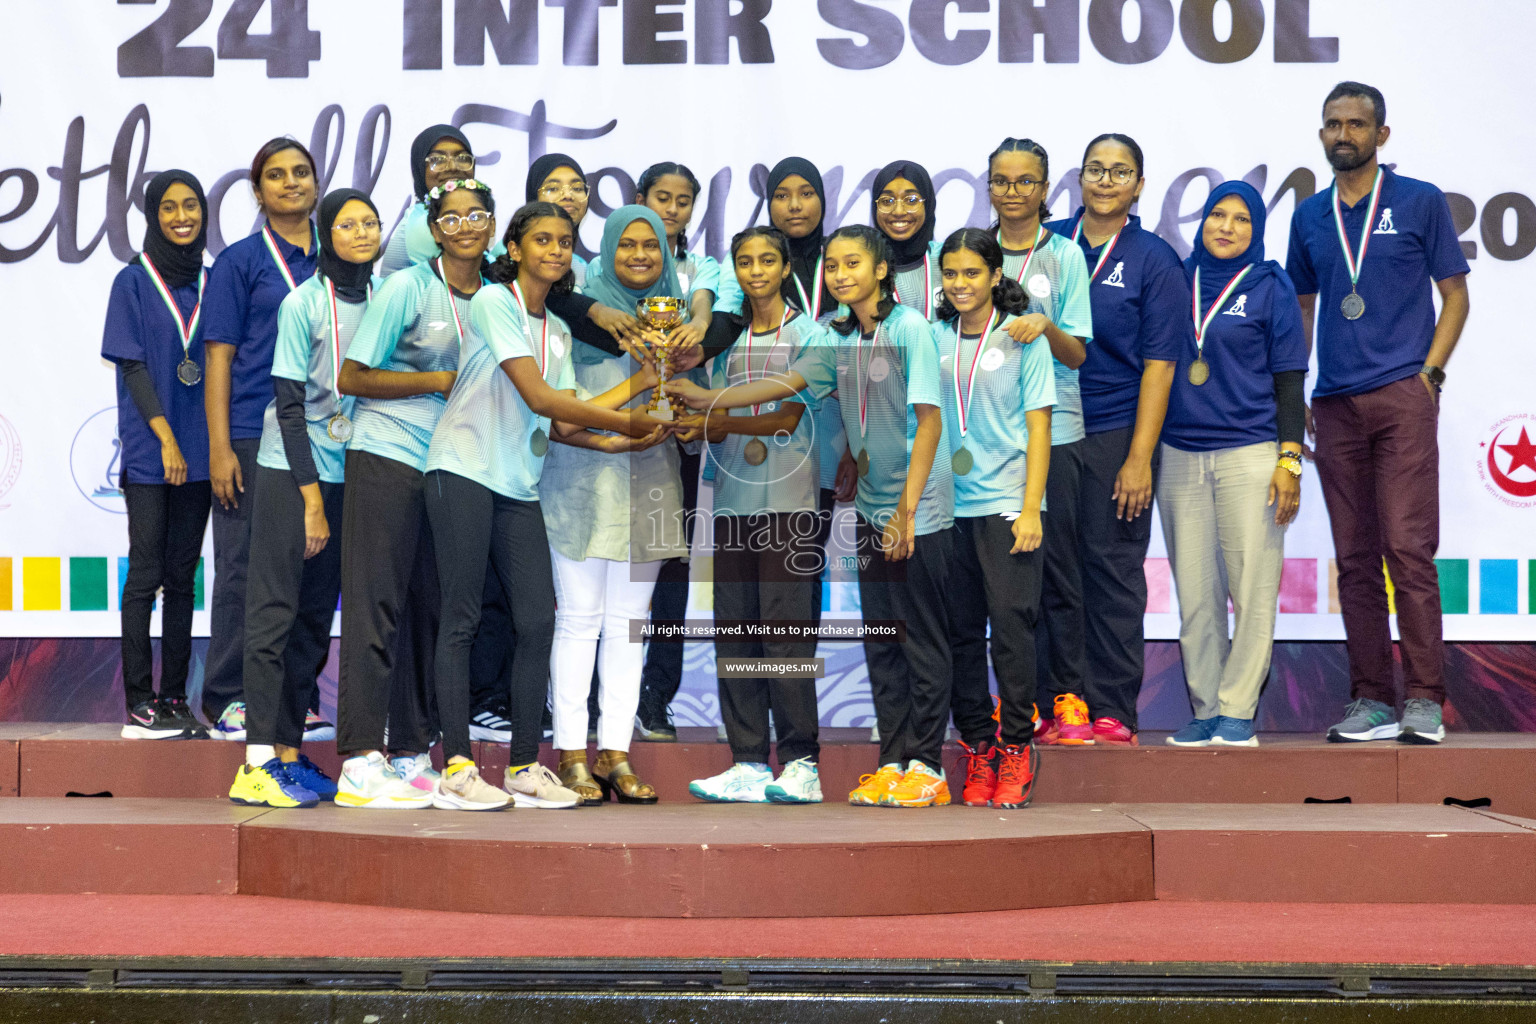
(980, 767)
(1015, 776)
(1114, 732)
(1072, 726)
(1045, 729)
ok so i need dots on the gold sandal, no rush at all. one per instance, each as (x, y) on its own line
(575, 776)
(617, 777)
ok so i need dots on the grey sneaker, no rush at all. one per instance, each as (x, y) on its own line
(1364, 719)
(539, 787)
(1421, 722)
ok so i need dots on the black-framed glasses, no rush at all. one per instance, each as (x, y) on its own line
(1118, 175)
(451, 223)
(1002, 186)
(911, 201)
(458, 161)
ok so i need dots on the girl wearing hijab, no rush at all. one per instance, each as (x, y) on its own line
(401, 364)
(613, 517)
(766, 563)
(482, 496)
(884, 356)
(295, 568)
(998, 395)
(248, 283)
(1225, 493)
(438, 154)
(153, 333)
(903, 208)
(1052, 272)
(1140, 317)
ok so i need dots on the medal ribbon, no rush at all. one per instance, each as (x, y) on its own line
(522, 307)
(1033, 247)
(457, 323)
(277, 257)
(183, 327)
(1203, 325)
(863, 379)
(1108, 248)
(927, 291)
(963, 400)
(1352, 264)
(748, 334)
(806, 306)
(336, 355)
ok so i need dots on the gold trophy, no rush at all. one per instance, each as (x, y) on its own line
(661, 313)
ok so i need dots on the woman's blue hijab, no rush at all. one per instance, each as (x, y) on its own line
(1215, 272)
(606, 287)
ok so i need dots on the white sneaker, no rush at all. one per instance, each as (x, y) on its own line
(465, 790)
(370, 782)
(874, 733)
(798, 783)
(537, 786)
(418, 771)
(741, 783)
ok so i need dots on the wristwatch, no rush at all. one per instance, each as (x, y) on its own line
(1435, 375)
(1290, 462)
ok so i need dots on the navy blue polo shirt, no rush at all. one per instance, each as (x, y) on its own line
(1256, 335)
(244, 290)
(1413, 241)
(1140, 304)
(140, 328)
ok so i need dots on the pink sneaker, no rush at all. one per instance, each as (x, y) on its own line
(1114, 732)
(417, 770)
(1072, 726)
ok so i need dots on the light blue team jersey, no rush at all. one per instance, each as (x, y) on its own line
(899, 366)
(787, 480)
(412, 243)
(921, 287)
(1010, 380)
(1057, 285)
(486, 432)
(412, 326)
(304, 352)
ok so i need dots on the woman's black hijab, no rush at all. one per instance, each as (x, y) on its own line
(178, 265)
(423, 145)
(543, 167)
(351, 279)
(915, 248)
(804, 253)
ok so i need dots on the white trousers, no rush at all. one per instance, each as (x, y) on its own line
(595, 600)
(1223, 544)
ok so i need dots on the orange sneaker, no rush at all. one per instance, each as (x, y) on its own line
(1073, 729)
(920, 787)
(1016, 771)
(873, 788)
(979, 765)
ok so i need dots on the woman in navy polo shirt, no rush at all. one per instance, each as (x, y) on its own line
(249, 280)
(1225, 500)
(1140, 318)
(152, 334)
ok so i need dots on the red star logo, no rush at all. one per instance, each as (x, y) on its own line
(1522, 453)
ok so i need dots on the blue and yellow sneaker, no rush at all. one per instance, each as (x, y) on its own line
(307, 775)
(269, 786)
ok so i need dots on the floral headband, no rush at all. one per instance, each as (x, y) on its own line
(438, 191)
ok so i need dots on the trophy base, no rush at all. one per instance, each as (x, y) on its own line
(663, 411)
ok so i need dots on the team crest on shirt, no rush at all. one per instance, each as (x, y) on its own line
(992, 360)
(1384, 225)
(1239, 308)
(1116, 278)
(1039, 286)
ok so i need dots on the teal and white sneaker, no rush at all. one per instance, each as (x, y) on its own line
(741, 783)
(1365, 719)
(1422, 722)
(231, 724)
(369, 781)
(418, 771)
(798, 783)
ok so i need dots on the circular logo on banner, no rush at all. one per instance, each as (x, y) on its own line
(1039, 286)
(1506, 460)
(992, 360)
(879, 369)
(10, 458)
(96, 461)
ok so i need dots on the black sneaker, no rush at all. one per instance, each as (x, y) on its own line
(152, 720)
(491, 724)
(655, 726)
(177, 709)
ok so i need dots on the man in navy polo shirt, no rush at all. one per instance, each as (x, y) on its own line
(1362, 255)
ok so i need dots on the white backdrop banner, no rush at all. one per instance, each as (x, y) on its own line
(96, 96)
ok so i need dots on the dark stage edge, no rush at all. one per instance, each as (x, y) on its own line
(70, 758)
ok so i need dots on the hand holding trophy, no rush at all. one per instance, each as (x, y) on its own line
(661, 313)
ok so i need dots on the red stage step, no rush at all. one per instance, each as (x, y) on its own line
(53, 760)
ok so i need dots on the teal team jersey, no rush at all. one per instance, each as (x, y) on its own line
(305, 352)
(1056, 282)
(1009, 380)
(896, 368)
(787, 478)
(487, 431)
(412, 326)
(921, 287)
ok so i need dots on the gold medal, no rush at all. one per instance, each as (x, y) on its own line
(1199, 371)
(339, 429)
